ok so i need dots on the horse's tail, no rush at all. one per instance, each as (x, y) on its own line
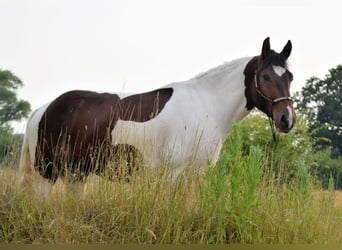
(25, 166)
(26, 163)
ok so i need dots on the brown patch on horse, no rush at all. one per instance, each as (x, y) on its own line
(144, 107)
(74, 132)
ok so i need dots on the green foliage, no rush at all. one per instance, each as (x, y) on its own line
(293, 150)
(286, 151)
(231, 191)
(11, 109)
(244, 177)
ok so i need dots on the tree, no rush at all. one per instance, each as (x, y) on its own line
(11, 109)
(321, 101)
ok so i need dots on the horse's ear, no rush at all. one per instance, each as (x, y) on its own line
(287, 49)
(266, 47)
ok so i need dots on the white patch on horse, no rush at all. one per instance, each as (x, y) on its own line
(279, 70)
(123, 95)
(290, 116)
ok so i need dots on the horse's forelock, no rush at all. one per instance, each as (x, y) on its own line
(276, 59)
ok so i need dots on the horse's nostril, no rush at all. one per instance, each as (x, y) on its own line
(284, 121)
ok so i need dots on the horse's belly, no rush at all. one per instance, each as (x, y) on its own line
(140, 135)
(168, 145)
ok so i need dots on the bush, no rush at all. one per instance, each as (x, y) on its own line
(10, 145)
(289, 149)
(326, 167)
(282, 154)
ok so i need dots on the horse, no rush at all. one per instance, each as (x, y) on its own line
(179, 123)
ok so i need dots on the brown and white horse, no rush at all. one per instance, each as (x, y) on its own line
(182, 122)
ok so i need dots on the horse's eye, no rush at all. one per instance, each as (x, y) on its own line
(266, 77)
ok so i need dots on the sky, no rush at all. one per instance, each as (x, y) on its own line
(134, 46)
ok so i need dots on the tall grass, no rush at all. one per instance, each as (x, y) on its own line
(242, 199)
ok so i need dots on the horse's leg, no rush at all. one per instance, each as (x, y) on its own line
(28, 175)
(45, 188)
(125, 160)
(133, 161)
(47, 175)
(77, 188)
(76, 177)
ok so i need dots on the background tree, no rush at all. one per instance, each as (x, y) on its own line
(11, 109)
(321, 101)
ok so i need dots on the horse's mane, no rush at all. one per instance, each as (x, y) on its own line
(225, 67)
(272, 59)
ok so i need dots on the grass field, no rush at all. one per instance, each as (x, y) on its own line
(240, 200)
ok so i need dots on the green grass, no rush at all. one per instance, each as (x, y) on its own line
(240, 200)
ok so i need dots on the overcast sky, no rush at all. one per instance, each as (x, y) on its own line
(133, 46)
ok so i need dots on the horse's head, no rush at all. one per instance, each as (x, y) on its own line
(268, 80)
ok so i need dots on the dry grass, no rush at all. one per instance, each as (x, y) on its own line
(338, 199)
(149, 210)
(336, 196)
(240, 200)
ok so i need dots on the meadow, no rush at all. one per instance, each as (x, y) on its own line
(246, 198)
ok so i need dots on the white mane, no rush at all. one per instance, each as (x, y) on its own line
(225, 67)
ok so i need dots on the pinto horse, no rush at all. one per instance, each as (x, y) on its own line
(182, 122)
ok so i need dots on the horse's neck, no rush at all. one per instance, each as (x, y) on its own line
(224, 90)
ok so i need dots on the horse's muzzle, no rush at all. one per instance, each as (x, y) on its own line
(286, 122)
